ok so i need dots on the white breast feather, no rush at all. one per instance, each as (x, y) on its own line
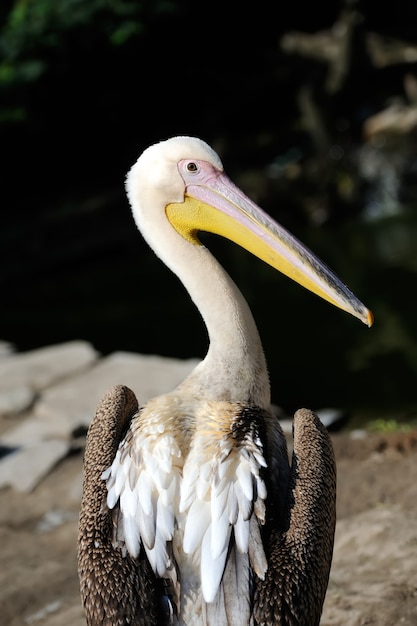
(144, 478)
(218, 495)
(218, 490)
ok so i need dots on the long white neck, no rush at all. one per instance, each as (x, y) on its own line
(234, 368)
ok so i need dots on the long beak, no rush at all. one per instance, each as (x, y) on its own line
(214, 204)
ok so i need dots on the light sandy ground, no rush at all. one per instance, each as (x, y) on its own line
(374, 573)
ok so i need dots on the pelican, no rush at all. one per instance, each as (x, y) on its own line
(191, 512)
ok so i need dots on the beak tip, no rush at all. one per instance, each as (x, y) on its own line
(369, 317)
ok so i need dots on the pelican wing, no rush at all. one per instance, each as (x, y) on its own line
(300, 551)
(115, 587)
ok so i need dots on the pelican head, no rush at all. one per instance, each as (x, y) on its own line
(180, 184)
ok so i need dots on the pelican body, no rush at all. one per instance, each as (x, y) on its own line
(191, 513)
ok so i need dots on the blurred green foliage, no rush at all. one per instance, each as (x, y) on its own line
(386, 426)
(31, 29)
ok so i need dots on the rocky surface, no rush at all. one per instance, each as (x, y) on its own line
(47, 399)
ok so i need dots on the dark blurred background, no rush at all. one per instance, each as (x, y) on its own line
(313, 109)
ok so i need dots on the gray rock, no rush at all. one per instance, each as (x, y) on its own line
(33, 430)
(14, 401)
(40, 368)
(6, 348)
(26, 467)
(54, 518)
(70, 382)
(74, 401)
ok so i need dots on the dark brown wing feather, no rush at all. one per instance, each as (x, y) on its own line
(300, 551)
(116, 590)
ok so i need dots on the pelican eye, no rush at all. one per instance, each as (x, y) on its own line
(192, 167)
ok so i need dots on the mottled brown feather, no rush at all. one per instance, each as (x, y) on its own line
(116, 590)
(300, 552)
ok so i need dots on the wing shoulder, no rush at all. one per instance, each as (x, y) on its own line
(115, 588)
(300, 551)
